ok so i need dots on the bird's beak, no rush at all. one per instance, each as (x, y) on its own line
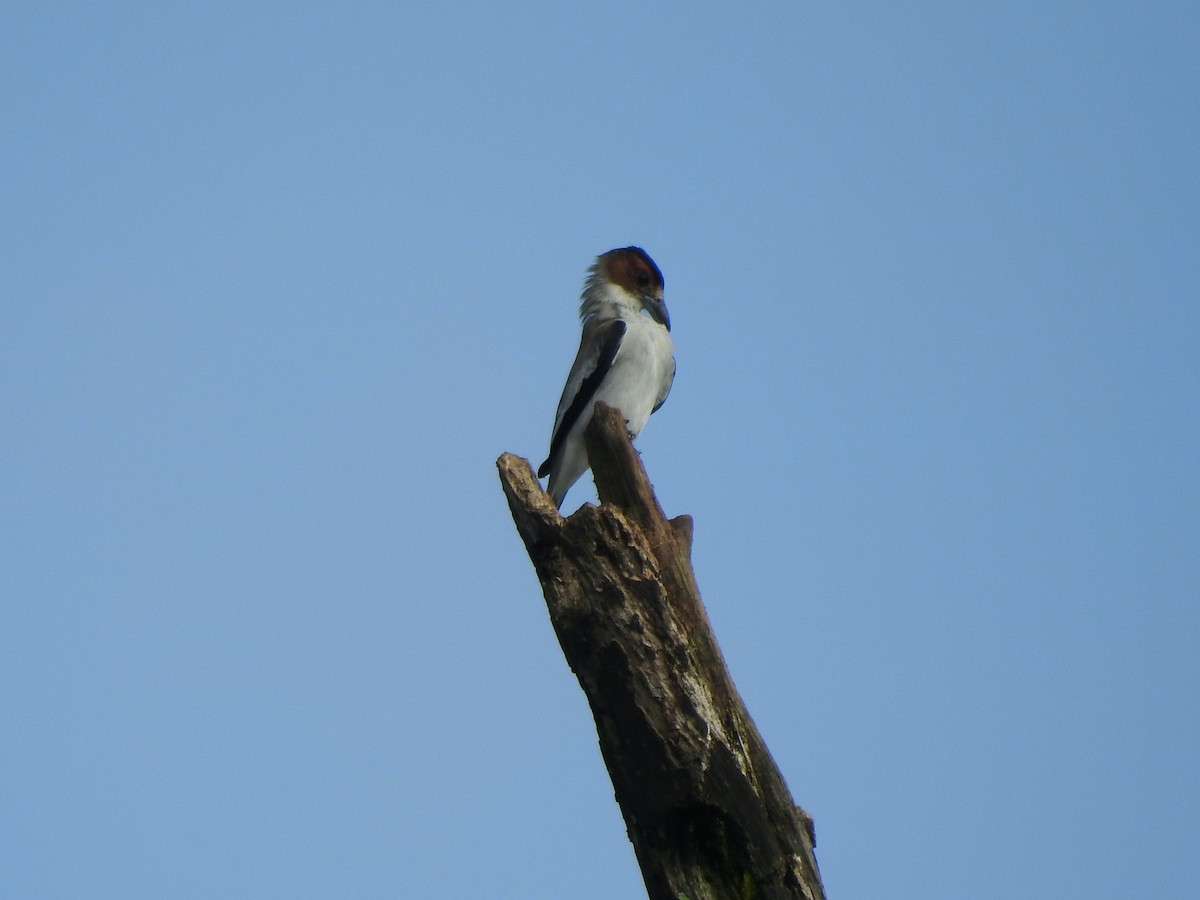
(657, 308)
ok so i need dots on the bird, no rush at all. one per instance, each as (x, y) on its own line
(626, 359)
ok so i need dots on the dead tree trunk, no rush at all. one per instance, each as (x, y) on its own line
(707, 810)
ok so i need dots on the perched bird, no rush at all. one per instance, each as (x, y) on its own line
(625, 359)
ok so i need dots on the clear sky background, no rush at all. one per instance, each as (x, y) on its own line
(279, 282)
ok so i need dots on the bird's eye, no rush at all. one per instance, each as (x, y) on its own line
(643, 280)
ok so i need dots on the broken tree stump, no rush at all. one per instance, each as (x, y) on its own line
(707, 810)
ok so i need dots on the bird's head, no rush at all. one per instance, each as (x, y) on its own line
(629, 278)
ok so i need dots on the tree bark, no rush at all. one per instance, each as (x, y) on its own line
(705, 806)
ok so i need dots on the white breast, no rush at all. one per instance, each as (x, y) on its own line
(640, 373)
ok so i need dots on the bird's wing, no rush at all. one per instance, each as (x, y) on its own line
(597, 349)
(666, 389)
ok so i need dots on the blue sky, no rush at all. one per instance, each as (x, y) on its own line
(279, 282)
